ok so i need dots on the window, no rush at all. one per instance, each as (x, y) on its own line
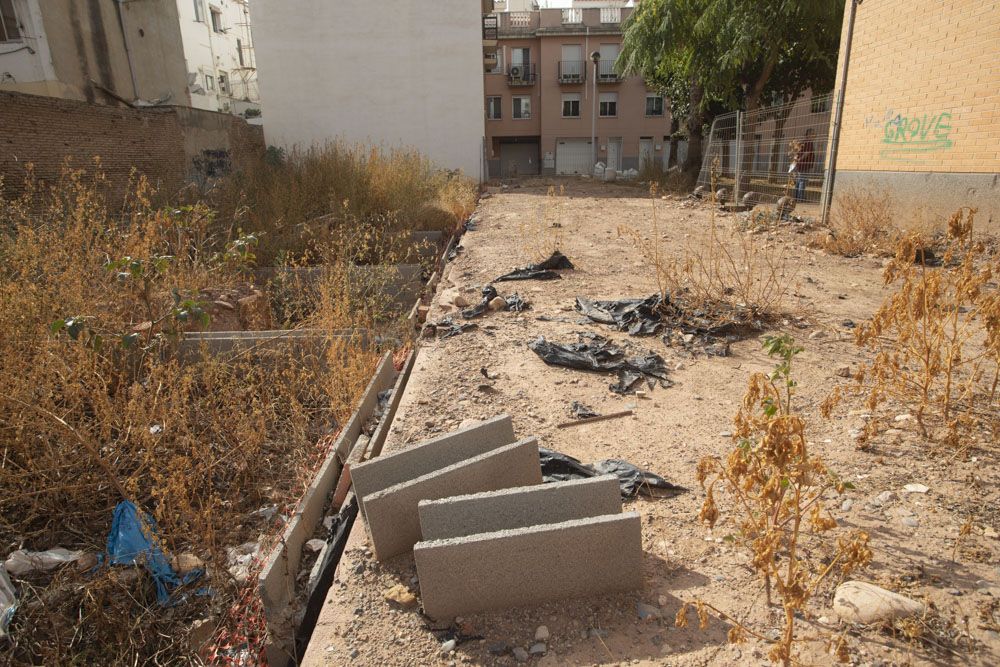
(498, 68)
(609, 105)
(209, 82)
(239, 52)
(820, 104)
(522, 107)
(199, 11)
(216, 20)
(494, 107)
(223, 83)
(571, 105)
(654, 105)
(10, 30)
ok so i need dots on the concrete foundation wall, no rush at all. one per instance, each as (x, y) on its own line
(509, 509)
(392, 514)
(530, 565)
(923, 199)
(426, 457)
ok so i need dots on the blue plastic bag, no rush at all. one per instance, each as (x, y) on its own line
(132, 542)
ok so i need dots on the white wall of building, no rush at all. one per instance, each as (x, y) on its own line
(389, 72)
(26, 63)
(213, 54)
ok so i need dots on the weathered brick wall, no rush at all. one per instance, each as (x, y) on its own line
(166, 144)
(923, 87)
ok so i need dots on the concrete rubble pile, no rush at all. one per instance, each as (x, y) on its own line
(486, 533)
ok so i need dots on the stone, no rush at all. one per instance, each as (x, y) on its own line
(910, 521)
(916, 488)
(844, 372)
(815, 335)
(542, 634)
(847, 505)
(884, 498)
(448, 646)
(538, 649)
(461, 302)
(401, 595)
(861, 602)
(187, 562)
(315, 546)
(646, 611)
(520, 654)
(498, 303)
(498, 648)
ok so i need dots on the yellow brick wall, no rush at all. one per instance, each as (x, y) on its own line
(923, 87)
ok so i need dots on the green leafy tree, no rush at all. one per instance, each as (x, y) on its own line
(731, 54)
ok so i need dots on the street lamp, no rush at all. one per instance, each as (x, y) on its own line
(596, 57)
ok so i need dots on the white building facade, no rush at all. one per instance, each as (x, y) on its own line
(392, 73)
(219, 52)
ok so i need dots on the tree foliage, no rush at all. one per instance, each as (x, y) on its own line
(739, 52)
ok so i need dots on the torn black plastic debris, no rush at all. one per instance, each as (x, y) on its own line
(596, 353)
(513, 303)
(451, 329)
(639, 317)
(633, 481)
(541, 271)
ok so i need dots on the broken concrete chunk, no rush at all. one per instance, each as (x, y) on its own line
(861, 602)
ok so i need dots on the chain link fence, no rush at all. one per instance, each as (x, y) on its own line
(754, 152)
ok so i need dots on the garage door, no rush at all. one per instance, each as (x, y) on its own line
(519, 160)
(573, 156)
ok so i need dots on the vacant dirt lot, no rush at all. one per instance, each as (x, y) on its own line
(913, 534)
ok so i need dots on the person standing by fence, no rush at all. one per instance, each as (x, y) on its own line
(803, 162)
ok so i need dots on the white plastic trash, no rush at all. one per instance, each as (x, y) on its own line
(599, 169)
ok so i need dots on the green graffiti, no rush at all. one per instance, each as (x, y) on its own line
(906, 139)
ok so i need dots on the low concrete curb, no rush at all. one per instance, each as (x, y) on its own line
(530, 565)
(392, 514)
(229, 344)
(428, 456)
(510, 509)
(276, 582)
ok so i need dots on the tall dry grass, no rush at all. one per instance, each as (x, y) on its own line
(96, 408)
(297, 201)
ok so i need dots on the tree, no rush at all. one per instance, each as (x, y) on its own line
(732, 53)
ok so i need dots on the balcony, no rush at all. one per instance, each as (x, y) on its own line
(521, 75)
(606, 72)
(572, 71)
(491, 30)
(611, 15)
(572, 16)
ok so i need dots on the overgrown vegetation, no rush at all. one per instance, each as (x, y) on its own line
(936, 339)
(298, 201)
(778, 488)
(96, 406)
(861, 223)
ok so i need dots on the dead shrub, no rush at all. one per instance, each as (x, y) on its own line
(777, 489)
(936, 339)
(861, 223)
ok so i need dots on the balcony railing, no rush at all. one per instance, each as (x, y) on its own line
(611, 15)
(572, 16)
(606, 72)
(491, 26)
(521, 75)
(572, 71)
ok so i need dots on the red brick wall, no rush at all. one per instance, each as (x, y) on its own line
(47, 131)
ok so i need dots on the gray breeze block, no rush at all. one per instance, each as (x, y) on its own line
(392, 514)
(519, 508)
(527, 566)
(425, 457)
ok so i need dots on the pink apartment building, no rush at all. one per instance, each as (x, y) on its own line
(543, 91)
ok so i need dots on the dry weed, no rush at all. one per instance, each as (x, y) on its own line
(861, 223)
(778, 489)
(96, 407)
(936, 339)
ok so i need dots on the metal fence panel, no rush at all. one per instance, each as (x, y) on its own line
(752, 152)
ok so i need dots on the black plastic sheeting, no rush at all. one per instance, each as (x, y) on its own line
(541, 271)
(639, 317)
(597, 353)
(580, 411)
(451, 329)
(633, 481)
(514, 303)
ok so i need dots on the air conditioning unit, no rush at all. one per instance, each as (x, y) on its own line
(515, 72)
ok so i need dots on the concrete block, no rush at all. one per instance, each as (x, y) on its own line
(527, 566)
(430, 455)
(393, 516)
(508, 509)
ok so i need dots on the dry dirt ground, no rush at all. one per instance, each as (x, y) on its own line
(913, 535)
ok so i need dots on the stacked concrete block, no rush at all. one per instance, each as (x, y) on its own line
(525, 546)
(393, 516)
